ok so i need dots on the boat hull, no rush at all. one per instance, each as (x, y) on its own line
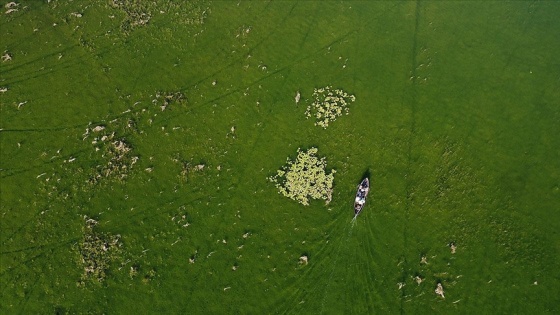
(361, 195)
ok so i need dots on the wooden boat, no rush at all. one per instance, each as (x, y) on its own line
(361, 195)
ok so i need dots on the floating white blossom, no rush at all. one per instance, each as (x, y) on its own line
(328, 104)
(305, 178)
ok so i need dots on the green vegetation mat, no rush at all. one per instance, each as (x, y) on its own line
(138, 139)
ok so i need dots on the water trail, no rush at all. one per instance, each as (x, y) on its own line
(354, 221)
(349, 228)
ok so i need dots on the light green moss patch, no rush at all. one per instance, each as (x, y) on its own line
(328, 104)
(305, 178)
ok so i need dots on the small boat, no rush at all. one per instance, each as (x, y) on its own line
(361, 194)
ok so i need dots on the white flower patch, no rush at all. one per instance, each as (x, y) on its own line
(305, 178)
(328, 104)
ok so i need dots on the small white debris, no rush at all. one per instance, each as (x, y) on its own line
(98, 128)
(3, 89)
(401, 285)
(7, 56)
(11, 11)
(297, 98)
(76, 14)
(227, 288)
(246, 235)
(453, 247)
(10, 5)
(303, 260)
(214, 82)
(439, 290)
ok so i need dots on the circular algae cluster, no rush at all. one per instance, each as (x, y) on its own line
(328, 104)
(305, 178)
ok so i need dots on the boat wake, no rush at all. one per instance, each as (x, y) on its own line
(337, 255)
(352, 224)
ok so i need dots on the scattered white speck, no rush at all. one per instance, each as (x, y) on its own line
(10, 5)
(6, 57)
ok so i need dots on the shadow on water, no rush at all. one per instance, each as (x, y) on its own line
(365, 174)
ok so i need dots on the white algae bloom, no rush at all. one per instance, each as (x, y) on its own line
(305, 178)
(328, 104)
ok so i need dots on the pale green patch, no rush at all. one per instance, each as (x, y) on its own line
(140, 13)
(116, 156)
(305, 178)
(97, 252)
(328, 104)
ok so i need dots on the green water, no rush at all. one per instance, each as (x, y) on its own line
(456, 121)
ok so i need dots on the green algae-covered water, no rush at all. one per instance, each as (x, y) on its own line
(137, 140)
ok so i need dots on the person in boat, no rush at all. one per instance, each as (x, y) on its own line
(361, 193)
(360, 200)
